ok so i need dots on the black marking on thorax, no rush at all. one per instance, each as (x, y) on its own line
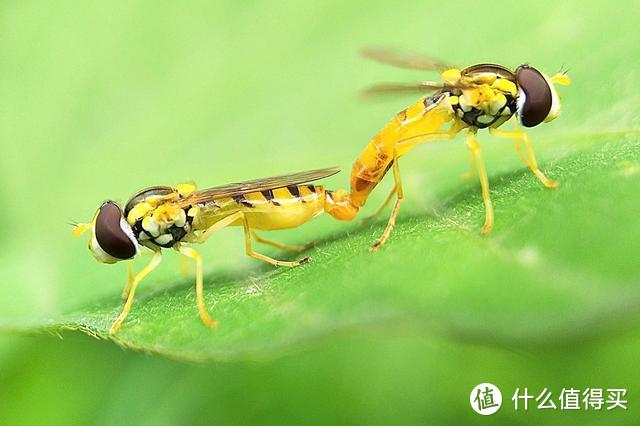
(178, 233)
(471, 117)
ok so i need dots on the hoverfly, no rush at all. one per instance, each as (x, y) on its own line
(477, 97)
(171, 217)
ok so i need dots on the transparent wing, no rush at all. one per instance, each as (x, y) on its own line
(239, 188)
(400, 88)
(404, 60)
(391, 88)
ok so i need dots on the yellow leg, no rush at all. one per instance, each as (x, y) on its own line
(216, 226)
(193, 254)
(474, 147)
(251, 253)
(130, 278)
(202, 309)
(382, 207)
(469, 175)
(530, 158)
(184, 265)
(280, 246)
(404, 145)
(396, 206)
(155, 261)
(130, 274)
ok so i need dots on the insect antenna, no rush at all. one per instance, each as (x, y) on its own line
(563, 70)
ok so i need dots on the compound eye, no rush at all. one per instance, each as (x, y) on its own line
(537, 100)
(110, 234)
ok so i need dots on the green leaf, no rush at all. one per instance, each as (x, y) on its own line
(559, 265)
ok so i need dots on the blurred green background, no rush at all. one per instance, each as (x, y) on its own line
(101, 99)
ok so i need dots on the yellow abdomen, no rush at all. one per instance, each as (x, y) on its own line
(425, 116)
(281, 208)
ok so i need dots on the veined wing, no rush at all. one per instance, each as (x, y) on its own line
(395, 88)
(400, 88)
(403, 59)
(255, 185)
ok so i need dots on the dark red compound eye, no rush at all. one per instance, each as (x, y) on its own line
(538, 98)
(110, 235)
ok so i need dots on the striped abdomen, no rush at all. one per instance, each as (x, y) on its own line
(271, 209)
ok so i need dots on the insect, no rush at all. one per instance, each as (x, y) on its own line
(175, 217)
(477, 97)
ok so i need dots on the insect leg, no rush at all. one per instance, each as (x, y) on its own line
(251, 253)
(469, 175)
(407, 144)
(396, 205)
(280, 246)
(202, 309)
(193, 254)
(404, 145)
(155, 261)
(382, 207)
(184, 266)
(216, 226)
(474, 147)
(529, 159)
(130, 277)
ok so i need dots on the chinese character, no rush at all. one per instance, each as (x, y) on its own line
(525, 396)
(593, 398)
(484, 399)
(569, 399)
(614, 398)
(545, 395)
